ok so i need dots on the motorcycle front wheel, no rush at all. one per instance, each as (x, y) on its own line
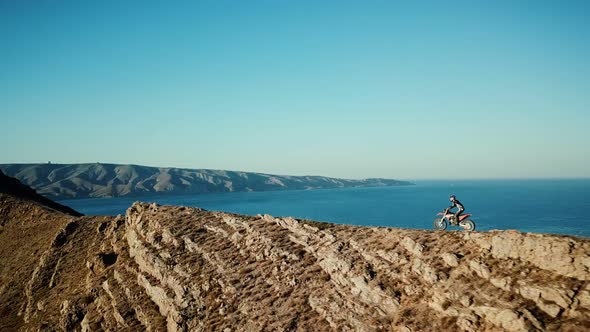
(467, 225)
(440, 224)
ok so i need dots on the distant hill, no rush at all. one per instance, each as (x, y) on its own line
(62, 181)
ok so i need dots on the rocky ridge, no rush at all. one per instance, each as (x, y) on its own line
(186, 269)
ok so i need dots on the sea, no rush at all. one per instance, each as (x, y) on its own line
(560, 206)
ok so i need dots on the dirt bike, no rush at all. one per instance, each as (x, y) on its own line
(449, 218)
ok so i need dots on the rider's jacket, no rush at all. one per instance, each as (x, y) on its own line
(458, 205)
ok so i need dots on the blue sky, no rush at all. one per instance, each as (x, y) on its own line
(412, 90)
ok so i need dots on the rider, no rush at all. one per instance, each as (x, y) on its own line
(455, 203)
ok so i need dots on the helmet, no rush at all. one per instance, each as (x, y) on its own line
(452, 198)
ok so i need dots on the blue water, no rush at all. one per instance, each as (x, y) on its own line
(542, 206)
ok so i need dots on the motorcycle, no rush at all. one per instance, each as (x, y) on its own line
(449, 218)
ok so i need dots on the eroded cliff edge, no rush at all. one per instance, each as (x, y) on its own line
(178, 268)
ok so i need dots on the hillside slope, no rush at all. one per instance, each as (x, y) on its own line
(111, 180)
(177, 268)
(13, 187)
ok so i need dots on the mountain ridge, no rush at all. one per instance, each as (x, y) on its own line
(179, 268)
(63, 181)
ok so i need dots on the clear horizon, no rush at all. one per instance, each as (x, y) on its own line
(353, 89)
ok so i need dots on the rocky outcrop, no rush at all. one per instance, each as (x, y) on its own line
(110, 180)
(185, 269)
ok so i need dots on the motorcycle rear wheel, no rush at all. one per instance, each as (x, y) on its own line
(440, 224)
(467, 225)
